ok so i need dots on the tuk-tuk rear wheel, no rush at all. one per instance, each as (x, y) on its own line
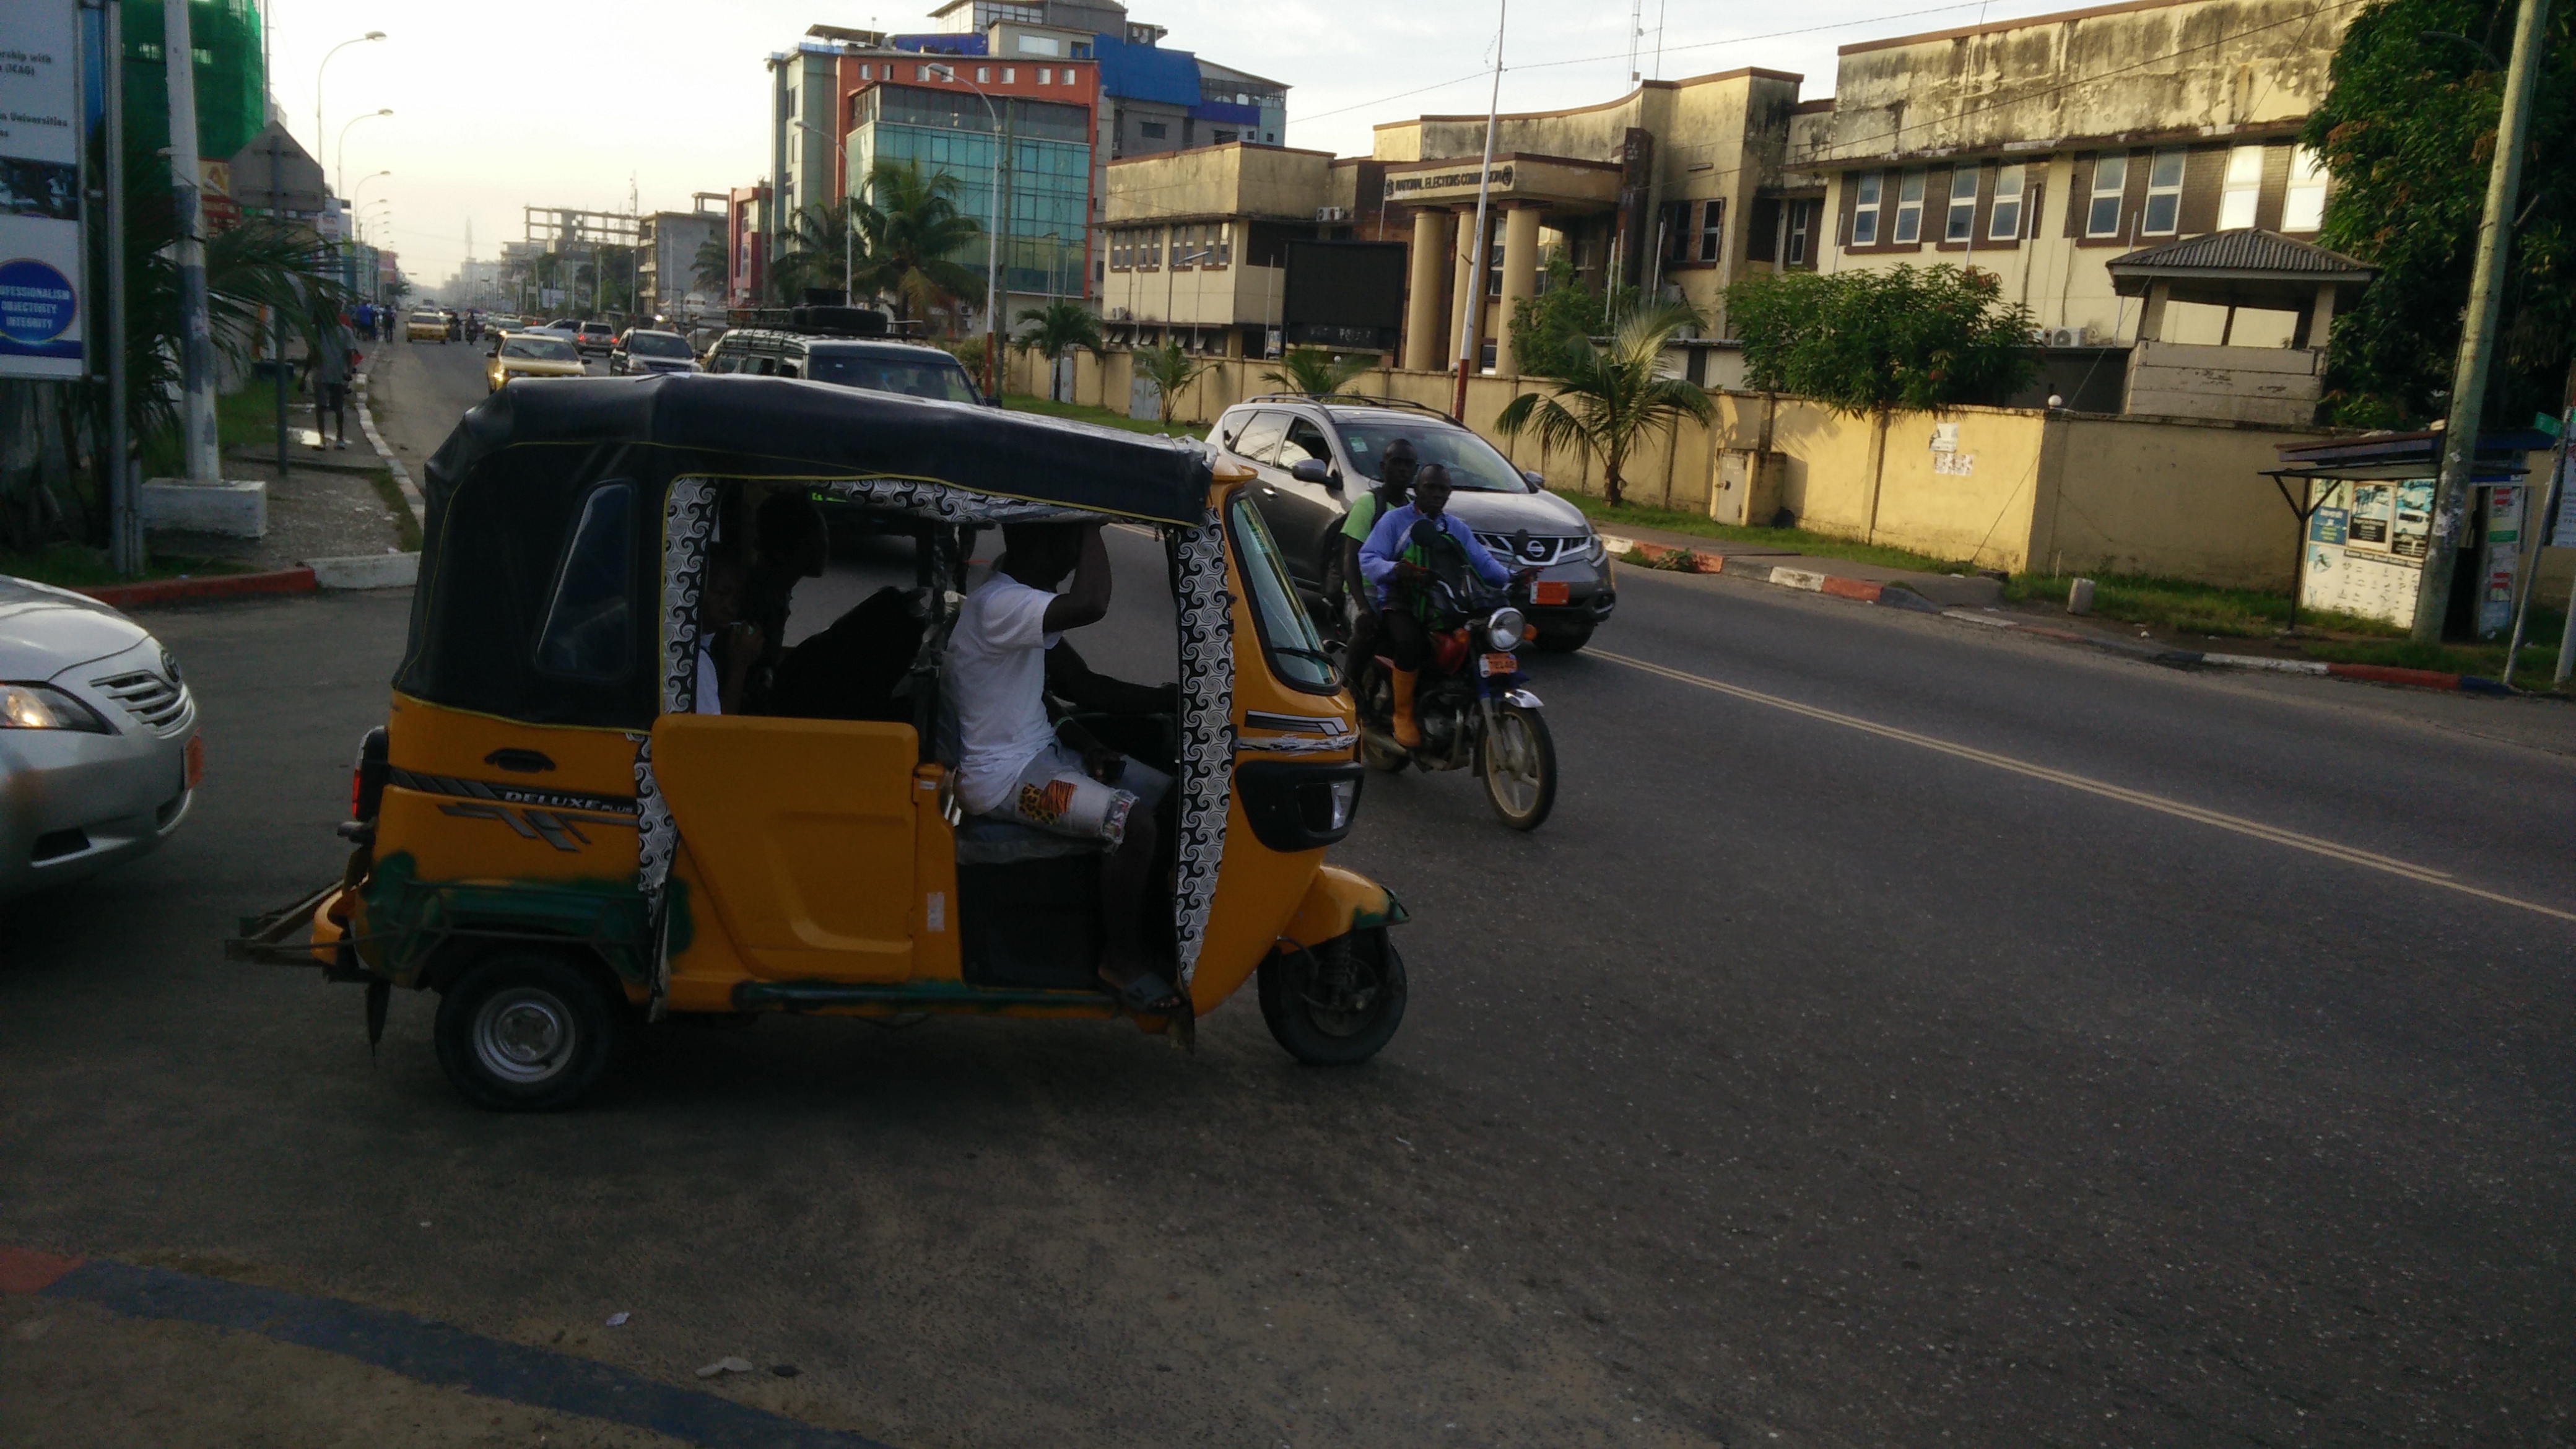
(527, 1031)
(1336, 1004)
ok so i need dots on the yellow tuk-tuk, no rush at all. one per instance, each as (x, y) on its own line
(551, 835)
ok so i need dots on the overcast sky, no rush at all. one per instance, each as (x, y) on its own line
(500, 104)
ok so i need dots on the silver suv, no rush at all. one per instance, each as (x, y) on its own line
(1307, 450)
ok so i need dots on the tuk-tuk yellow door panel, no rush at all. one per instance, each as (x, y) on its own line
(803, 831)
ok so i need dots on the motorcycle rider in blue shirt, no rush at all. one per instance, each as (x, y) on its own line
(1399, 552)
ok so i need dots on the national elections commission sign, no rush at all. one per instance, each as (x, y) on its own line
(40, 231)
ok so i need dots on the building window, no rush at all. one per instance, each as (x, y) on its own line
(921, 72)
(1674, 232)
(2110, 178)
(2003, 220)
(983, 75)
(1040, 45)
(1909, 207)
(1122, 250)
(1712, 230)
(1494, 258)
(1961, 225)
(1224, 244)
(1865, 210)
(1153, 130)
(1046, 75)
(2242, 188)
(1801, 217)
(2164, 192)
(1010, 75)
(1485, 355)
(2304, 209)
(867, 72)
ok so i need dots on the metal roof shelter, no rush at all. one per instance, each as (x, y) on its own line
(2385, 458)
(2249, 269)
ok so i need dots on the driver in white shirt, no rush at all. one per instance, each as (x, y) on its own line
(1013, 764)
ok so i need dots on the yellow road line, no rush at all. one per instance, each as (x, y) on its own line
(2237, 823)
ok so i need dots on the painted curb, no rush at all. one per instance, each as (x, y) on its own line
(402, 476)
(1896, 595)
(366, 571)
(418, 1349)
(213, 586)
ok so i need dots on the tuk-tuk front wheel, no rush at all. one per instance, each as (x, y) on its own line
(524, 1031)
(1336, 1004)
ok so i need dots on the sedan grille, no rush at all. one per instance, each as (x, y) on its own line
(1535, 550)
(159, 704)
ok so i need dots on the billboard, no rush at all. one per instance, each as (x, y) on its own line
(40, 195)
(1344, 295)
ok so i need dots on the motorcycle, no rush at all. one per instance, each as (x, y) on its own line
(1470, 701)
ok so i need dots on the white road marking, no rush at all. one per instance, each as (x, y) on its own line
(2239, 824)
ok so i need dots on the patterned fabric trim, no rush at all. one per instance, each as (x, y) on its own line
(1207, 732)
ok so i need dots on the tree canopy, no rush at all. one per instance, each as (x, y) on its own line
(1873, 341)
(1552, 332)
(2408, 133)
(1611, 398)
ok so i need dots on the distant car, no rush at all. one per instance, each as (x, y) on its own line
(425, 326)
(99, 756)
(568, 331)
(595, 337)
(531, 354)
(643, 351)
(503, 321)
(876, 365)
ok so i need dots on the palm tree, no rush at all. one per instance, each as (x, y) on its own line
(1610, 397)
(712, 264)
(1063, 325)
(818, 252)
(1171, 371)
(1313, 371)
(910, 232)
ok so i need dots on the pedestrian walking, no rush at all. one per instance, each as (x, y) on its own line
(335, 355)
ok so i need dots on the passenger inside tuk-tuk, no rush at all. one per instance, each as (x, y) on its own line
(729, 645)
(1018, 764)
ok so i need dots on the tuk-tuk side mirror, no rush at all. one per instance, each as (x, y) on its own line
(1535, 479)
(1315, 470)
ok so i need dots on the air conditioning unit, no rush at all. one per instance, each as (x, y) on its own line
(1332, 213)
(1120, 314)
(2065, 336)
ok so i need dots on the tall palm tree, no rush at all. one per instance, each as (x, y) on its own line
(1062, 326)
(1610, 397)
(1313, 371)
(819, 248)
(910, 233)
(712, 264)
(1171, 370)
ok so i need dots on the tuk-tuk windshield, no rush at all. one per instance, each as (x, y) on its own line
(1297, 656)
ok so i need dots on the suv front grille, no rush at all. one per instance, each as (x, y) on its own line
(1536, 551)
(159, 704)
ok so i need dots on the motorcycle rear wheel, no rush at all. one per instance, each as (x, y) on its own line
(1517, 761)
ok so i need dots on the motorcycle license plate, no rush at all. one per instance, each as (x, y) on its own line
(1557, 593)
(1494, 664)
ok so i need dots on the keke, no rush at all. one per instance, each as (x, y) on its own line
(550, 835)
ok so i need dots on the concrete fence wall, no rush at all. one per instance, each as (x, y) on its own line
(2009, 488)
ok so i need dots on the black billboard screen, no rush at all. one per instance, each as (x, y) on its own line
(1343, 294)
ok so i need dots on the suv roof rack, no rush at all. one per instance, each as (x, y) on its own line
(830, 321)
(1348, 398)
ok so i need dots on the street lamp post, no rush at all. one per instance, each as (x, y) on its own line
(847, 242)
(993, 237)
(340, 150)
(318, 132)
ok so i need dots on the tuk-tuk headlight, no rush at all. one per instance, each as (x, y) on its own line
(43, 707)
(1503, 630)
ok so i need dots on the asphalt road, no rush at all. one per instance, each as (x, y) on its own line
(1899, 1035)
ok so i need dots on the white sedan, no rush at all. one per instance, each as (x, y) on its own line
(99, 755)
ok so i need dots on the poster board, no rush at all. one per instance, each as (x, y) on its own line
(41, 332)
(2361, 555)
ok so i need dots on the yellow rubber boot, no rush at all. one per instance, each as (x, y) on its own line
(1407, 733)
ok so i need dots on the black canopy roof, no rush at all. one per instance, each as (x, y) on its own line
(508, 488)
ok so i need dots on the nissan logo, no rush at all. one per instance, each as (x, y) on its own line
(1535, 549)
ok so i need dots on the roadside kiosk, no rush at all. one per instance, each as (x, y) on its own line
(2367, 504)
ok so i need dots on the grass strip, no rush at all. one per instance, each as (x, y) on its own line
(1790, 540)
(408, 527)
(1020, 402)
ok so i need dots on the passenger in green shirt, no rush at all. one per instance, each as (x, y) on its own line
(1394, 485)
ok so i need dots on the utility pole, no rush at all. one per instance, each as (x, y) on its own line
(1472, 306)
(196, 337)
(277, 331)
(124, 518)
(998, 302)
(2478, 327)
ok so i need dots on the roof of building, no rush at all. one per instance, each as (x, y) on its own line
(1146, 72)
(2247, 253)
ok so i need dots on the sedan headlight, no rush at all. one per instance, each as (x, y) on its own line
(1503, 630)
(43, 707)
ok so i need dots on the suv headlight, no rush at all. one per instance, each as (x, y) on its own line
(43, 707)
(1503, 630)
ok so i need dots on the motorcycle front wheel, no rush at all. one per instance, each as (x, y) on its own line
(1518, 762)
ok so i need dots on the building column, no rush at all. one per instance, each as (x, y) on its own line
(2151, 318)
(1466, 289)
(1520, 279)
(1426, 306)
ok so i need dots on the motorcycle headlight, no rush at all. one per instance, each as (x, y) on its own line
(43, 707)
(1504, 629)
